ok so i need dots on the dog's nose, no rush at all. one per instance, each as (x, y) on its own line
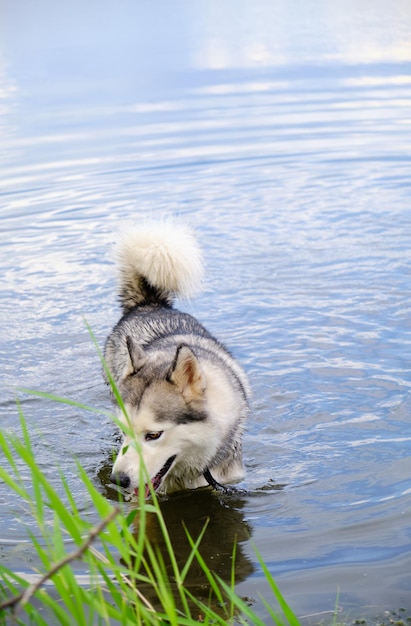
(120, 479)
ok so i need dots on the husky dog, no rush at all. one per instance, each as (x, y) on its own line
(185, 396)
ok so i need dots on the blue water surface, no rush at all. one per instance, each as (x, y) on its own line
(282, 132)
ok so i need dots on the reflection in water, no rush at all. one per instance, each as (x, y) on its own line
(226, 528)
(191, 511)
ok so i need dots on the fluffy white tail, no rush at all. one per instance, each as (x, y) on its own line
(158, 261)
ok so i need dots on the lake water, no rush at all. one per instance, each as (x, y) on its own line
(282, 132)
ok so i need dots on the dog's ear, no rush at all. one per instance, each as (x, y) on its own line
(187, 375)
(136, 357)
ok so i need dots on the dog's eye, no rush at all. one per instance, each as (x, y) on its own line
(152, 436)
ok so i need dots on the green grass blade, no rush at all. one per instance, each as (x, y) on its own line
(292, 619)
(208, 574)
(194, 550)
(241, 606)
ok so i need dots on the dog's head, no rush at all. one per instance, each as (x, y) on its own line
(167, 425)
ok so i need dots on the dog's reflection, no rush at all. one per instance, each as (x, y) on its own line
(189, 512)
(225, 528)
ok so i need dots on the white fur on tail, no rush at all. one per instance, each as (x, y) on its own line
(157, 262)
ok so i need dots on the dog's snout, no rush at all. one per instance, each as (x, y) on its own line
(121, 479)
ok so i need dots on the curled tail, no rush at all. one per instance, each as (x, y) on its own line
(157, 262)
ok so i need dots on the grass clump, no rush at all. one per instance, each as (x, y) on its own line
(129, 580)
